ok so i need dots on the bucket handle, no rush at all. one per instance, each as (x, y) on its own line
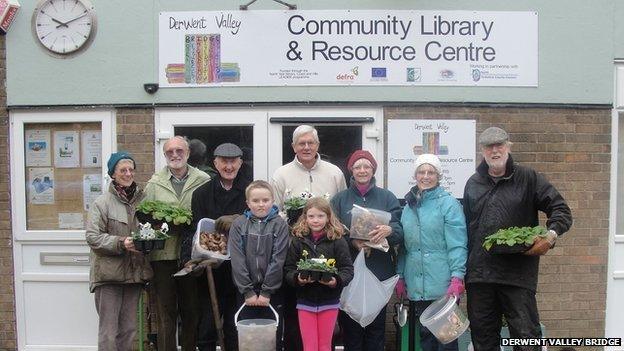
(243, 306)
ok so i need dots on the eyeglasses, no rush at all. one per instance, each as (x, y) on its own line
(364, 167)
(126, 170)
(178, 151)
(306, 143)
(427, 173)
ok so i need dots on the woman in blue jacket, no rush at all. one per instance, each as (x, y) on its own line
(432, 261)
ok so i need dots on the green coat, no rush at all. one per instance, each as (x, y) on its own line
(159, 188)
(112, 219)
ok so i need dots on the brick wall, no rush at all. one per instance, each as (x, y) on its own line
(572, 148)
(8, 337)
(135, 133)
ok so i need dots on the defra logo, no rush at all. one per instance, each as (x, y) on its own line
(350, 76)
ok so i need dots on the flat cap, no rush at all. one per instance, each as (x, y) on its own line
(228, 150)
(493, 135)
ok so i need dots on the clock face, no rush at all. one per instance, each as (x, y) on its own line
(64, 27)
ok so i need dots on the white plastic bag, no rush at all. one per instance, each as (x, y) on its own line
(365, 296)
(198, 252)
(364, 220)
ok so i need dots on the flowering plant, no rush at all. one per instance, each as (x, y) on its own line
(146, 232)
(321, 263)
(298, 202)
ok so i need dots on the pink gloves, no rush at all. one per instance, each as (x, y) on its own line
(400, 289)
(456, 287)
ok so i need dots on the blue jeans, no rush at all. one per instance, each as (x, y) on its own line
(428, 341)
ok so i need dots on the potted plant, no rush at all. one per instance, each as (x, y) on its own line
(148, 238)
(512, 240)
(319, 268)
(159, 212)
(293, 205)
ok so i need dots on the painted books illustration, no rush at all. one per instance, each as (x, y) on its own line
(202, 62)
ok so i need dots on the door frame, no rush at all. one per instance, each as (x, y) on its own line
(70, 241)
(267, 135)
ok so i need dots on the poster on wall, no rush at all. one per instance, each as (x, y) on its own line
(347, 47)
(453, 141)
(66, 152)
(91, 142)
(91, 189)
(37, 143)
(41, 186)
(70, 220)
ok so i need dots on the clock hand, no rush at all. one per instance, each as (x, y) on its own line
(71, 20)
(59, 22)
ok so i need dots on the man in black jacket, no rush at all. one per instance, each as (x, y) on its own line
(502, 194)
(222, 195)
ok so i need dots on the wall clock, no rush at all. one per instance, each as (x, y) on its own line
(64, 28)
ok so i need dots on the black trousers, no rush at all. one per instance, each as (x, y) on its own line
(356, 338)
(227, 301)
(488, 303)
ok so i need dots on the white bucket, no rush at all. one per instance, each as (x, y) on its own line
(445, 319)
(256, 334)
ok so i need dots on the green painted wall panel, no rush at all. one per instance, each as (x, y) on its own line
(576, 52)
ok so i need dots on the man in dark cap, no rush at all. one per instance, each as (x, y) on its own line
(223, 195)
(503, 194)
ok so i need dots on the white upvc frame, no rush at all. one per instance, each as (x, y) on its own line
(49, 238)
(166, 119)
(372, 133)
(18, 173)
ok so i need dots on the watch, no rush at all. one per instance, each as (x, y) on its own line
(64, 28)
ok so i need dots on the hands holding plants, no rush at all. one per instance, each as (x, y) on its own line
(542, 244)
(332, 283)
(128, 244)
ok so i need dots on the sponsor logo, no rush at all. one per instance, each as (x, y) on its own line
(413, 74)
(447, 74)
(378, 72)
(476, 75)
(350, 76)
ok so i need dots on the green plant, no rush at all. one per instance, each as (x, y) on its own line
(298, 202)
(514, 236)
(320, 264)
(163, 211)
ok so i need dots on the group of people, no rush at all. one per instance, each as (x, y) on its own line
(438, 244)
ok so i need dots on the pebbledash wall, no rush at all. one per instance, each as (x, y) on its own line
(561, 128)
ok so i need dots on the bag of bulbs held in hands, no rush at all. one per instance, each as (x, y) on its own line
(363, 221)
(208, 242)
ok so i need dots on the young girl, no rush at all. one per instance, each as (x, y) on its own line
(318, 232)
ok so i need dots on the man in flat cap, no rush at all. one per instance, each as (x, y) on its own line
(503, 194)
(222, 195)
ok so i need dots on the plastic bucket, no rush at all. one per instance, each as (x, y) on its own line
(256, 334)
(445, 319)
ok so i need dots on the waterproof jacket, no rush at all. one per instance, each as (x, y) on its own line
(510, 201)
(258, 248)
(435, 243)
(211, 200)
(159, 188)
(379, 262)
(111, 220)
(317, 294)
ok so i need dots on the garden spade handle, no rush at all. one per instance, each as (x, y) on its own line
(215, 307)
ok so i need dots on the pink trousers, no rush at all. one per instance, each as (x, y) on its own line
(317, 329)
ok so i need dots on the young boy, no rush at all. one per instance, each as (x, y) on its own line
(258, 243)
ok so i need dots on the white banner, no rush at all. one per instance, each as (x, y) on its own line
(453, 141)
(342, 47)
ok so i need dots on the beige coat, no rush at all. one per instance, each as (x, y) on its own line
(111, 220)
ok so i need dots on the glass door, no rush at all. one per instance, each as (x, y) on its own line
(208, 128)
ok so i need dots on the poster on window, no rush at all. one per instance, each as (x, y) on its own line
(453, 141)
(71, 220)
(66, 151)
(91, 148)
(38, 148)
(41, 186)
(91, 189)
(347, 47)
